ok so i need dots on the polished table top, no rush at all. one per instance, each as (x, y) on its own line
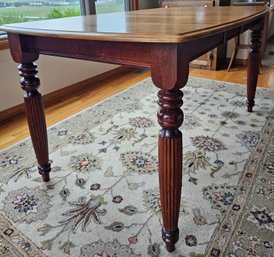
(168, 25)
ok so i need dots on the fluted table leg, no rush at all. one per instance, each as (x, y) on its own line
(36, 117)
(253, 68)
(170, 118)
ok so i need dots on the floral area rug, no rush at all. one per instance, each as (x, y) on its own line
(103, 197)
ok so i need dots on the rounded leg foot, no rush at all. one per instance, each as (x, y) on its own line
(250, 104)
(170, 238)
(249, 108)
(170, 247)
(44, 171)
(46, 177)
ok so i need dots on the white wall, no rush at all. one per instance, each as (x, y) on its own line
(54, 73)
(242, 53)
(271, 24)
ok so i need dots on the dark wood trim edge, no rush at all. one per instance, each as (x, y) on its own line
(54, 97)
(4, 44)
(133, 5)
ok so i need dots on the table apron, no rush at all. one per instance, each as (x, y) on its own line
(142, 54)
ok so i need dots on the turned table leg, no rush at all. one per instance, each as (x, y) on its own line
(36, 117)
(170, 118)
(253, 68)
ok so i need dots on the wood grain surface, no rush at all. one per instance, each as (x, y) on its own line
(170, 25)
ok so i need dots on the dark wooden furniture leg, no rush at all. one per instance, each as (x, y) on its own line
(253, 67)
(170, 118)
(35, 116)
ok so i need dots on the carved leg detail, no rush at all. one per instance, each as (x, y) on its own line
(253, 68)
(170, 117)
(36, 117)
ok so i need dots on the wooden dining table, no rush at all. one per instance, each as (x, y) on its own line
(165, 40)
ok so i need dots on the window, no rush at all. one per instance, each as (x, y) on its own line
(13, 11)
(105, 6)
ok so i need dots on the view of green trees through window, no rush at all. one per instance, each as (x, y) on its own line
(12, 11)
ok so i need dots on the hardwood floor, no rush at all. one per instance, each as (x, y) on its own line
(237, 75)
(15, 129)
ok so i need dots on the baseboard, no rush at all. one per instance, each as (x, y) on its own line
(238, 62)
(54, 97)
